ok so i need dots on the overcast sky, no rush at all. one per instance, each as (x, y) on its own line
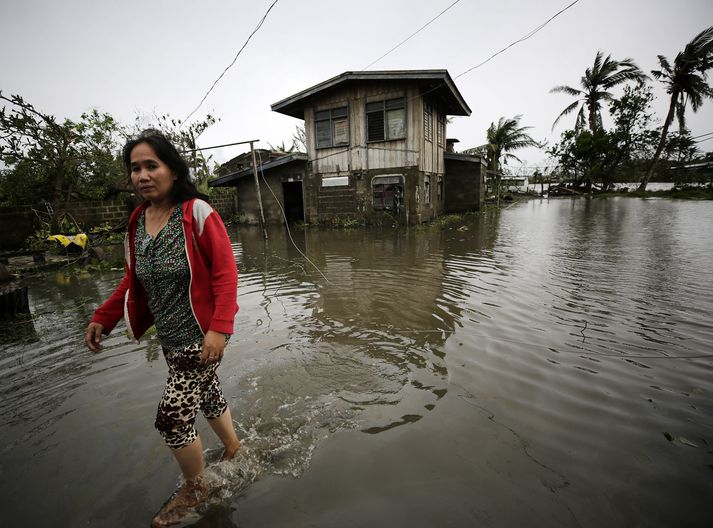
(146, 56)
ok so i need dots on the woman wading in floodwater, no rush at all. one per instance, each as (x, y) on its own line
(181, 276)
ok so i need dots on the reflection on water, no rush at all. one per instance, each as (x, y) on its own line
(580, 327)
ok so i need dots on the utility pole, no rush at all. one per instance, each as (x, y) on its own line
(257, 190)
(257, 181)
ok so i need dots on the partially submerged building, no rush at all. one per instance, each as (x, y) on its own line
(376, 151)
(280, 188)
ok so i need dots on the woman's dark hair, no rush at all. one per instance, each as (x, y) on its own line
(183, 188)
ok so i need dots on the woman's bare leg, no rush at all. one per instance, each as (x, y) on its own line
(223, 427)
(190, 458)
(192, 493)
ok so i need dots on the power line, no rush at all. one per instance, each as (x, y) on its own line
(521, 39)
(231, 64)
(438, 86)
(284, 216)
(412, 35)
(700, 136)
(218, 146)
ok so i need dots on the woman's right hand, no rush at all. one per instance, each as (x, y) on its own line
(93, 336)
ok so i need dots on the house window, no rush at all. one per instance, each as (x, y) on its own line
(426, 190)
(441, 129)
(386, 120)
(427, 121)
(331, 127)
(439, 188)
(388, 192)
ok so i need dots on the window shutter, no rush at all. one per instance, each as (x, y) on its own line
(324, 137)
(427, 122)
(375, 126)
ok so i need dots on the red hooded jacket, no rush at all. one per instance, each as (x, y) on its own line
(214, 276)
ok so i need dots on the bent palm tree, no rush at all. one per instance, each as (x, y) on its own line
(596, 83)
(686, 81)
(507, 136)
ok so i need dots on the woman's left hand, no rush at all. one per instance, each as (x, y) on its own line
(213, 347)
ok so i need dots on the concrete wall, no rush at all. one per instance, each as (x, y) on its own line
(248, 208)
(464, 186)
(224, 201)
(92, 214)
(19, 222)
(355, 200)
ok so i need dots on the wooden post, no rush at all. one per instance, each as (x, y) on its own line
(13, 300)
(257, 190)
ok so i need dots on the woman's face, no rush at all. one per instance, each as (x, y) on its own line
(151, 177)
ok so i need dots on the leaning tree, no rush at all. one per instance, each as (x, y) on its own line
(596, 82)
(687, 83)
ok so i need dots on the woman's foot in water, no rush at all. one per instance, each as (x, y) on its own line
(230, 451)
(191, 494)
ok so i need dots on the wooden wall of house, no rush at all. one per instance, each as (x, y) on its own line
(433, 150)
(413, 157)
(360, 155)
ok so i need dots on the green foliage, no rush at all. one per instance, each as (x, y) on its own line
(632, 137)
(449, 220)
(585, 157)
(185, 136)
(602, 76)
(47, 160)
(504, 138)
(620, 154)
(281, 147)
(687, 83)
(105, 234)
(64, 224)
(344, 222)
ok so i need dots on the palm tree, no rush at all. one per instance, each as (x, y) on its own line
(507, 136)
(596, 83)
(686, 82)
(281, 147)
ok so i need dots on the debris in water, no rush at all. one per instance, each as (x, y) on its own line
(687, 442)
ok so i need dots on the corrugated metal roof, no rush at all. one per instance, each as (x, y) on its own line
(228, 179)
(438, 82)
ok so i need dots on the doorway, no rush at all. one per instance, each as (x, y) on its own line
(294, 203)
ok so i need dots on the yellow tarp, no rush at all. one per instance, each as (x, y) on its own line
(78, 240)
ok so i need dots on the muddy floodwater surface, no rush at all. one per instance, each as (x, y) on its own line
(548, 364)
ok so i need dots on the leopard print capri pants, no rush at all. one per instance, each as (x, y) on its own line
(190, 386)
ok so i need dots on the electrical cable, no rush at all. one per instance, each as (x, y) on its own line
(701, 135)
(411, 35)
(284, 216)
(231, 64)
(521, 39)
(528, 35)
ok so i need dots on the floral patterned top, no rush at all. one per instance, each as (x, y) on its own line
(163, 269)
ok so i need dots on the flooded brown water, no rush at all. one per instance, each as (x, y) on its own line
(550, 364)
